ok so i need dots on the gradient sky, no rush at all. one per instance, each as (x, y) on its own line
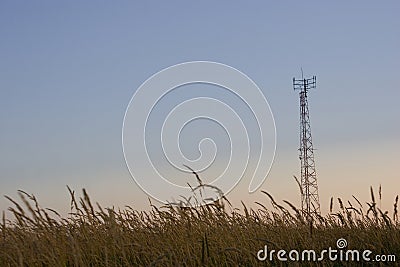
(68, 71)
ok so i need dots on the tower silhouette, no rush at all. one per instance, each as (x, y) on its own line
(309, 188)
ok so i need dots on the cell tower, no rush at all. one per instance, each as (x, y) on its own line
(309, 188)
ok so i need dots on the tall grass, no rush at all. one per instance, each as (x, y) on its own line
(216, 234)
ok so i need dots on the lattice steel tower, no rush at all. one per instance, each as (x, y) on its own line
(309, 188)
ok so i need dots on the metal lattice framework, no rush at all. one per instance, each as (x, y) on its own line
(309, 195)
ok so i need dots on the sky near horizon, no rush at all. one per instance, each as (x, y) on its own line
(69, 69)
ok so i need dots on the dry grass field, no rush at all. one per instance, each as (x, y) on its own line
(211, 235)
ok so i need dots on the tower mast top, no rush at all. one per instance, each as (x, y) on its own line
(304, 84)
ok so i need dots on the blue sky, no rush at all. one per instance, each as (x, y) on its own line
(69, 69)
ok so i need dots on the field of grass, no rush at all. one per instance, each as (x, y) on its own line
(211, 235)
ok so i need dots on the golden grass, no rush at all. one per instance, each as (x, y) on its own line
(211, 235)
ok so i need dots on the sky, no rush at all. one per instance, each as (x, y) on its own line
(68, 71)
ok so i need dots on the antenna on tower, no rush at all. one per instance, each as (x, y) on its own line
(309, 195)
